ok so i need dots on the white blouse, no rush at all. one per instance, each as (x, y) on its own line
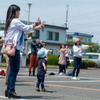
(79, 53)
(14, 32)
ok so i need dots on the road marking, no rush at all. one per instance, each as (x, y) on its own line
(81, 88)
(64, 85)
(74, 81)
(3, 97)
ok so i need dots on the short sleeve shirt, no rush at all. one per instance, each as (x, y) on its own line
(40, 69)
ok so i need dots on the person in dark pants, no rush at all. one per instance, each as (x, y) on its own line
(33, 57)
(77, 49)
(41, 70)
(13, 31)
(62, 59)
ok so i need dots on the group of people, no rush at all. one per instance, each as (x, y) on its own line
(77, 55)
(14, 29)
(64, 55)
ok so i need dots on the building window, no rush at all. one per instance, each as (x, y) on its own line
(49, 35)
(56, 36)
(37, 34)
(89, 39)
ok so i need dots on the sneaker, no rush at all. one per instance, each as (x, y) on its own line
(37, 89)
(77, 78)
(73, 78)
(60, 73)
(44, 90)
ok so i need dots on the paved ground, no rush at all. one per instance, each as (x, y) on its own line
(59, 87)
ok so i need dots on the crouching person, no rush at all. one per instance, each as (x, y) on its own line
(41, 70)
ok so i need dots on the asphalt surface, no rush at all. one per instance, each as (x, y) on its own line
(59, 87)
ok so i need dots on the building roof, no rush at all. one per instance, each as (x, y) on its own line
(55, 26)
(80, 34)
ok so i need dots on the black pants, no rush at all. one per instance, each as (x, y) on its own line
(62, 68)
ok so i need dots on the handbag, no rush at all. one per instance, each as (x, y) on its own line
(8, 49)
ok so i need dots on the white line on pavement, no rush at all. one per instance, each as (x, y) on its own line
(74, 81)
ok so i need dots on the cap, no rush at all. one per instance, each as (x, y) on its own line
(41, 53)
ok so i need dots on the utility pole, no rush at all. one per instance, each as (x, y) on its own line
(29, 6)
(66, 24)
(67, 15)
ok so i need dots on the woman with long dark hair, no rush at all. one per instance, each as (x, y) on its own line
(77, 50)
(13, 31)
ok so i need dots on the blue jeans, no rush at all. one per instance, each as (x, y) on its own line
(67, 62)
(14, 69)
(40, 79)
(77, 65)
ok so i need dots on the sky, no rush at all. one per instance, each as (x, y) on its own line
(83, 15)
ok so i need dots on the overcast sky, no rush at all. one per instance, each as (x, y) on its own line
(83, 15)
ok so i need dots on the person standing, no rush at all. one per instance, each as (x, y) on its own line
(62, 59)
(33, 57)
(77, 50)
(14, 31)
(46, 50)
(68, 53)
(41, 70)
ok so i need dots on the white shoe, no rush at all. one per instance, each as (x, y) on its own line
(61, 74)
(73, 78)
(77, 78)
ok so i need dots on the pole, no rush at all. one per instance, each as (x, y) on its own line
(66, 24)
(29, 6)
(67, 15)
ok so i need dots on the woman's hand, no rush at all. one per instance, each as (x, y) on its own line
(80, 49)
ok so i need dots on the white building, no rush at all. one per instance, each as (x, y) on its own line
(52, 35)
(86, 38)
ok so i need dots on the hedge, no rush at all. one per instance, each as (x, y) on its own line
(86, 63)
(52, 60)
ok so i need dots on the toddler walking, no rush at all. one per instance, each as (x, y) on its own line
(41, 70)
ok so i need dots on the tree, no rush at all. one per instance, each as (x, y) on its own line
(96, 47)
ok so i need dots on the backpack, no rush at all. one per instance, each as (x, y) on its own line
(69, 73)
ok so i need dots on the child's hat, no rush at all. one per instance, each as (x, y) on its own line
(41, 53)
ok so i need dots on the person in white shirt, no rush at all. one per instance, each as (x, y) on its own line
(14, 30)
(67, 56)
(46, 50)
(77, 50)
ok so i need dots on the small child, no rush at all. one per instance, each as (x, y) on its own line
(41, 70)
